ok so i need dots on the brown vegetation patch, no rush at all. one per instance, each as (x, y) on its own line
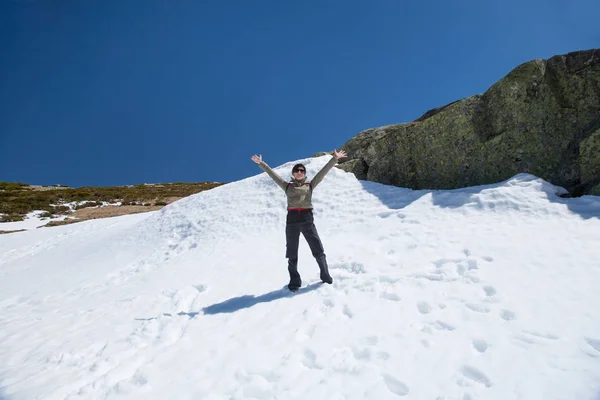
(18, 230)
(85, 214)
(18, 199)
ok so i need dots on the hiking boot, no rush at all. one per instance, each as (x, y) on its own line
(295, 280)
(325, 277)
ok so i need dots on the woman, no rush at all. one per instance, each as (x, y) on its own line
(300, 216)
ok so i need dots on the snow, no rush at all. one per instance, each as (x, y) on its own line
(488, 292)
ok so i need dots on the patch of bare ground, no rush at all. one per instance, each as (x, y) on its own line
(103, 212)
(18, 230)
(85, 214)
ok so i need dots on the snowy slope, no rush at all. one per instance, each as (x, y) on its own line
(482, 293)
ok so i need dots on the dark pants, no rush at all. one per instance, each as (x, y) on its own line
(302, 221)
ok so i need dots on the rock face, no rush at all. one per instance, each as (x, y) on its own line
(542, 118)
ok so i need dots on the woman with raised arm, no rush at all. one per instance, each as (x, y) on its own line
(299, 218)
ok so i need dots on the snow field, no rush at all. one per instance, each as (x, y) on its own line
(479, 293)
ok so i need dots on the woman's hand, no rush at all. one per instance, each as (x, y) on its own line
(257, 159)
(339, 154)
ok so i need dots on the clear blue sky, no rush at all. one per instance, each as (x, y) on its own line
(107, 92)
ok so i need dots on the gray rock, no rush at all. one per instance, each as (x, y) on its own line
(542, 118)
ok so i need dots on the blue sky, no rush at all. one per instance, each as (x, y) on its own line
(106, 92)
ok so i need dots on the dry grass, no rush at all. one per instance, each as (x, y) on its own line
(84, 214)
(18, 230)
(103, 212)
(17, 199)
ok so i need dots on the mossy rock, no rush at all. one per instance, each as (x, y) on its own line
(357, 166)
(595, 190)
(589, 162)
(542, 118)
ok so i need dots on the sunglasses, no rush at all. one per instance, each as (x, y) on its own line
(299, 170)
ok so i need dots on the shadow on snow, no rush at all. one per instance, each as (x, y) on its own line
(247, 301)
(239, 303)
(3, 395)
(398, 198)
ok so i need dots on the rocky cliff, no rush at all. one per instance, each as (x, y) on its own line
(542, 118)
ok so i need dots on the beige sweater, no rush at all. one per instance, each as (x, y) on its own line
(299, 193)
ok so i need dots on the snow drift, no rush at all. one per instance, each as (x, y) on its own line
(487, 292)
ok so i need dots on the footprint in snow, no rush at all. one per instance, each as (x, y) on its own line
(387, 279)
(489, 291)
(476, 375)
(328, 303)
(480, 308)
(395, 385)
(390, 296)
(548, 336)
(423, 307)
(361, 353)
(305, 333)
(485, 258)
(443, 326)
(200, 288)
(309, 359)
(507, 315)
(532, 337)
(524, 341)
(480, 345)
(472, 264)
(347, 312)
(595, 343)
(442, 261)
(438, 326)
